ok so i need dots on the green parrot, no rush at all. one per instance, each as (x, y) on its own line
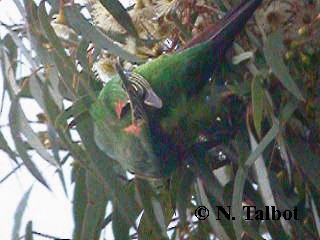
(147, 120)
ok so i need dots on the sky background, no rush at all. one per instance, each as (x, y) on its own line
(50, 211)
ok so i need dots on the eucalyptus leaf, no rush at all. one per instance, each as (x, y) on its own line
(181, 190)
(272, 50)
(96, 203)
(153, 221)
(28, 232)
(262, 179)
(32, 137)
(90, 33)
(307, 161)
(315, 213)
(214, 223)
(242, 57)
(79, 199)
(20, 147)
(22, 48)
(241, 177)
(79, 107)
(121, 15)
(6, 148)
(50, 33)
(119, 226)
(258, 99)
(19, 214)
(18, 121)
(53, 38)
(105, 171)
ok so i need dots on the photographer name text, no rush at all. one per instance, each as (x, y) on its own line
(253, 213)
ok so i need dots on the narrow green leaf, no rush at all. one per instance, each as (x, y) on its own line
(203, 172)
(287, 111)
(19, 6)
(11, 48)
(52, 37)
(51, 108)
(22, 48)
(185, 31)
(79, 107)
(214, 223)
(42, 95)
(258, 98)
(105, 170)
(52, 112)
(122, 37)
(267, 139)
(152, 223)
(32, 137)
(273, 52)
(54, 141)
(55, 6)
(51, 62)
(262, 178)
(89, 32)
(307, 161)
(146, 228)
(96, 203)
(6, 148)
(79, 199)
(315, 215)
(28, 232)
(116, 9)
(35, 89)
(275, 231)
(241, 177)
(82, 55)
(237, 197)
(119, 226)
(242, 57)
(181, 183)
(15, 126)
(31, 13)
(19, 214)
(8, 74)
(19, 144)
(159, 214)
(62, 180)
(285, 156)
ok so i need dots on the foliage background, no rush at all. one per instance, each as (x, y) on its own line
(269, 102)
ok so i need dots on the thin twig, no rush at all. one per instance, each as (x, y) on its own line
(10, 173)
(49, 236)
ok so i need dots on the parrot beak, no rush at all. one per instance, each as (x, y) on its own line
(152, 99)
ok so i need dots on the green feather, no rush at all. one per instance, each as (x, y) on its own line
(154, 148)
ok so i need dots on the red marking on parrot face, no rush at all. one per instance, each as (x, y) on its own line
(120, 105)
(133, 129)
